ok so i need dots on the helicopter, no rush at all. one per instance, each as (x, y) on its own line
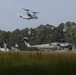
(28, 15)
(50, 46)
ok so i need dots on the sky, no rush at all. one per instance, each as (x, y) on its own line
(52, 12)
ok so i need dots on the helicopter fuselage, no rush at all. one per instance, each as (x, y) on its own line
(28, 17)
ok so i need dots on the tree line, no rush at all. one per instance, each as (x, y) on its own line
(42, 34)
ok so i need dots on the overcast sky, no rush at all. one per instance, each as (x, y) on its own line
(52, 12)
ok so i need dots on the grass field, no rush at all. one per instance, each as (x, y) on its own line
(37, 63)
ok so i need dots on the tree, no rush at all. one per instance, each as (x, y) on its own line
(70, 31)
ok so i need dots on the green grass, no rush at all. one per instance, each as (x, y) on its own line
(37, 63)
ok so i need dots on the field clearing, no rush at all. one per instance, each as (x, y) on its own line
(38, 63)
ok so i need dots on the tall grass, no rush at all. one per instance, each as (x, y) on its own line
(37, 63)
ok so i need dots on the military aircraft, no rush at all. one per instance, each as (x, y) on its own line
(50, 46)
(28, 15)
(4, 48)
(11, 48)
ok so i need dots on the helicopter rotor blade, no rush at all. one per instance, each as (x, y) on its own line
(35, 12)
(25, 9)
